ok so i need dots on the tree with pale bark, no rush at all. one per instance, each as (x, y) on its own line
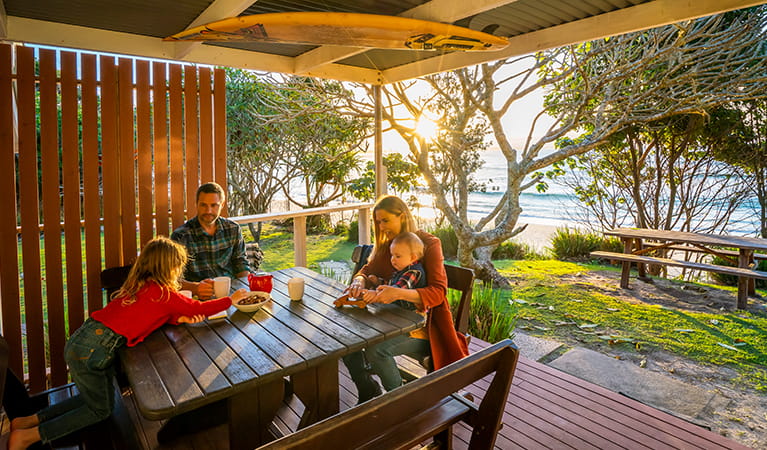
(595, 89)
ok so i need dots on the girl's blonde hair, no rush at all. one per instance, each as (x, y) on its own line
(162, 261)
(393, 205)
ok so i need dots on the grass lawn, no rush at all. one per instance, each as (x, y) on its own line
(554, 306)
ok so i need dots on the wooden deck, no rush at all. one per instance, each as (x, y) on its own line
(546, 408)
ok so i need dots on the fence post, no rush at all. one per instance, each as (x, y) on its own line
(363, 226)
(299, 240)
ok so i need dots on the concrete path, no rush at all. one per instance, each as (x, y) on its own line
(657, 390)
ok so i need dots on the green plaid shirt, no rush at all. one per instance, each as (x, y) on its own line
(222, 254)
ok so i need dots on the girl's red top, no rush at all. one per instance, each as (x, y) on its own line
(153, 308)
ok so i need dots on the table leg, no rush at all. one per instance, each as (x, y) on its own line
(626, 266)
(250, 414)
(317, 388)
(744, 259)
(640, 267)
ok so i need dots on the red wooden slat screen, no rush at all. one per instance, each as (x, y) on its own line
(30, 217)
(191, 156)
(177, 203)
(116, 136)
(71, 188)
(91, 195)
(126, 160)
(49, 156)
(144, 150)
(161, 172)
(206, 133)
(109, 161)
(219, 129)
(9, 266)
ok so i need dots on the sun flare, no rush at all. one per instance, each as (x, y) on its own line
(426, 128)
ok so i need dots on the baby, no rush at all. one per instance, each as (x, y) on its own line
(406, 250)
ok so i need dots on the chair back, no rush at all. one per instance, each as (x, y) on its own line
(461, 279)
(113, 278)
(360, 257)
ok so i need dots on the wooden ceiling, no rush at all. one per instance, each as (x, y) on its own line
(137, 27)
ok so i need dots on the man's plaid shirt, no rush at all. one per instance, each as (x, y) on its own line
(222, 254)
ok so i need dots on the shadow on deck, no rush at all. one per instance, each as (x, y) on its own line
(546, 408)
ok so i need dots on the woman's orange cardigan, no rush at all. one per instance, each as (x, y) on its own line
(447, 345)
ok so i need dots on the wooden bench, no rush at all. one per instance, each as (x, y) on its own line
(425, 408)
(731, 254)
(642, 259)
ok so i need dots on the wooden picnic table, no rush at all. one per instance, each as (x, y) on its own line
(635, 242)
(242, 360)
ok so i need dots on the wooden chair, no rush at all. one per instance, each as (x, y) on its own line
(360, 256)
(426, 408)
(461, 279)
(113, 278)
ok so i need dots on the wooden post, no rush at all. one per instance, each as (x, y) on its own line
(299, 240)
(625, 271)
(363, 228)
(744, 258)
(380, 169)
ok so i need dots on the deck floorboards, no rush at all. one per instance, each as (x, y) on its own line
(546, 408)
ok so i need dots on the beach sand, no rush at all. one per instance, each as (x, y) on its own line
(537, 236)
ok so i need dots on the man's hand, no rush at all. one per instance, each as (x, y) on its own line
(205, 289)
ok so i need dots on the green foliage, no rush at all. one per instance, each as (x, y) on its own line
(449, 240)
(514, 250)
(492, 314)
(573, 243)
(402, 176)
(731, 280)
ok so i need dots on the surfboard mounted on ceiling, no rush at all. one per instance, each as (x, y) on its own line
(346, 29)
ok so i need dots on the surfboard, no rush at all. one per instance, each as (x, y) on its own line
(346, 29)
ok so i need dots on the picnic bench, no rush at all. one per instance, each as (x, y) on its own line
(422, 409)
(635, 249)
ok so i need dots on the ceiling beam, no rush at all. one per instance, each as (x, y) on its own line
(218, 10)
(82, 38)
(446, 11)
(640, 17)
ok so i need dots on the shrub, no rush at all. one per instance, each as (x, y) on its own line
(569, 243)
(340, 228)
(515, 250)
(446, 234)
(353, 231)
(731, 280)
(490, 318)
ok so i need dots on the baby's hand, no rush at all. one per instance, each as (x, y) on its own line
(239, 294)
(193, 319)
(369, 295)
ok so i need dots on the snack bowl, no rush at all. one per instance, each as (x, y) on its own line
(253, 302)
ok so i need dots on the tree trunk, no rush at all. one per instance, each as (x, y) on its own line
(482, 265)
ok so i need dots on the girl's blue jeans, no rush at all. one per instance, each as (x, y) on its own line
(381, 358)
(90, 354)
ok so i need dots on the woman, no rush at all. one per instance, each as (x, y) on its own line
(392, 217)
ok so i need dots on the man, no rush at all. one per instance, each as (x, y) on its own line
(215, 244)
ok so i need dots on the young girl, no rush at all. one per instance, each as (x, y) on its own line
(147, 300)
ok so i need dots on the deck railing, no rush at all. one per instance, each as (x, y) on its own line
(299, 224)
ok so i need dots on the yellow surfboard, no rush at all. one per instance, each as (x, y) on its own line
(346, 29)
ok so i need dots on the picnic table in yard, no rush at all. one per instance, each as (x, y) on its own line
(241, 361)
(638, 242)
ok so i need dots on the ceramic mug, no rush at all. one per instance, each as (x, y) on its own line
(221, 286)
(296, 288)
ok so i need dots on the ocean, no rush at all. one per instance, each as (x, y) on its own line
(558, 206)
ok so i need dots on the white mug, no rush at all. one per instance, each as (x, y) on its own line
(296, 288)
(186, 293)
(221, 286)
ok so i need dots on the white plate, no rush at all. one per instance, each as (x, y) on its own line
(264, 296)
